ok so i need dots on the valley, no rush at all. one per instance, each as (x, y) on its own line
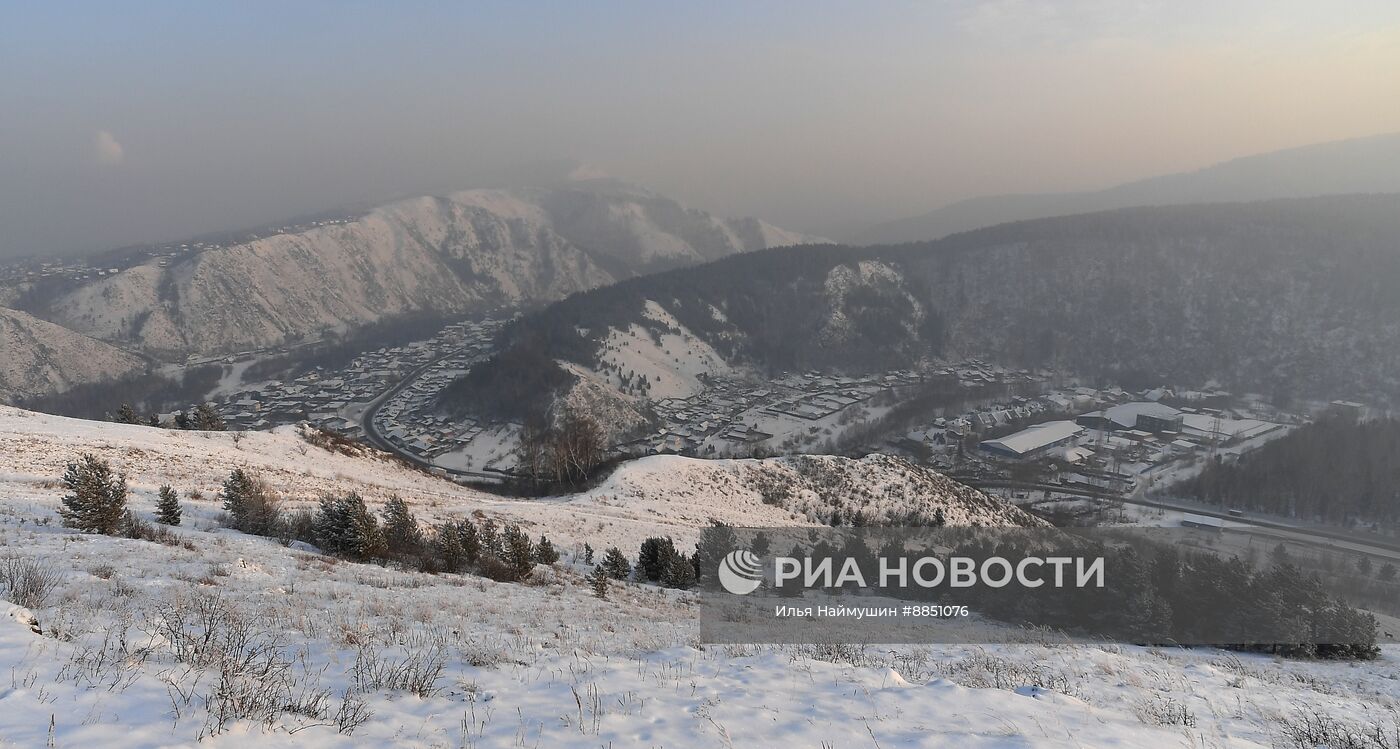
(972, 375)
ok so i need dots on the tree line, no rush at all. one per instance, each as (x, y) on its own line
(1154, 594)
(343, 525)
(1335, 470)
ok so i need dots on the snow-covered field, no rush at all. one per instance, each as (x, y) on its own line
(333, 653)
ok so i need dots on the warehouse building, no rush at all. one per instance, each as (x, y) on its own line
(1035, 442)
(1142, 415)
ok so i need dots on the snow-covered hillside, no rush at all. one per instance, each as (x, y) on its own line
(471, 250)
(660, 495)
(39, 357)
(659, 365)
(312, 651)
(1290, 296)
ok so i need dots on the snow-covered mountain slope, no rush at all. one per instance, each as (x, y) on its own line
(471, 250)
(630, 230)
(38, 357)
(662, 360)
(311, 651)
(1287, 297)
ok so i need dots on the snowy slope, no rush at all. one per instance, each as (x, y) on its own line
(39, 357)
(802, 490)
(671, 362)
(660, 495)
(545, 663)
(471, 250)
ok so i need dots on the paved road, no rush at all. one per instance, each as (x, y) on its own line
(1369, 543)
(379, 441)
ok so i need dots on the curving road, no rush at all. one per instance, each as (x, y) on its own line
(379, 441)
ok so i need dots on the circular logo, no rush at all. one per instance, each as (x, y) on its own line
(740, 572)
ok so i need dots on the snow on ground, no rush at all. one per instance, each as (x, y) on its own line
(671, 362)
(493, 448)
(792, 432)
(617, 414)
(460, 661)
(659, 495)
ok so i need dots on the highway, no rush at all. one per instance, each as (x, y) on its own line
(1335, 538)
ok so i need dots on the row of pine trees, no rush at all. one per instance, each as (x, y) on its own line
(344, 526)
(203, 418)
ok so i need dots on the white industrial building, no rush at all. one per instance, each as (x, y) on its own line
(1036, 441)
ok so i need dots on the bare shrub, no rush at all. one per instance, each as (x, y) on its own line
(1160, 710)
(332, 441)
(984, 670)
(254, 680)
(28, 582)
(134, 527)
(417, 672)
(203, 631)
(352, 714)
(1310, 727)
(298, 525)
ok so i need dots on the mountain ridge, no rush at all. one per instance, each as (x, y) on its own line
(468, 252)
(1288, 297)
(1356, 165)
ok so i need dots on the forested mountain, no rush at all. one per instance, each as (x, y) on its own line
(1284, 297)
(1336, 470)
(1361, 165)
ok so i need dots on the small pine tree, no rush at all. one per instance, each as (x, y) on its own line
(447, 544)
(680, 573)
(237, 493)
(126, 415)
(153, 421)
(207, 418)
(96, 499)
(792, 588)
(715, 541)
(598, 580)
(518, 552)
(470, 540)
(588, 554)
(654, 558)
(490, 539)
(182, 420)
(401, 532)
(615, 564)
(364, 539)
(1363, 565)
(345, 526)
(167, 506)
(1387, 573)
(761, 544)
(545, 552)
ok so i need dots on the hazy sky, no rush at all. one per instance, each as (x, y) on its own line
(126, 122)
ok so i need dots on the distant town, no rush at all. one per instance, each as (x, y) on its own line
(1018, 432)
(49, 271)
